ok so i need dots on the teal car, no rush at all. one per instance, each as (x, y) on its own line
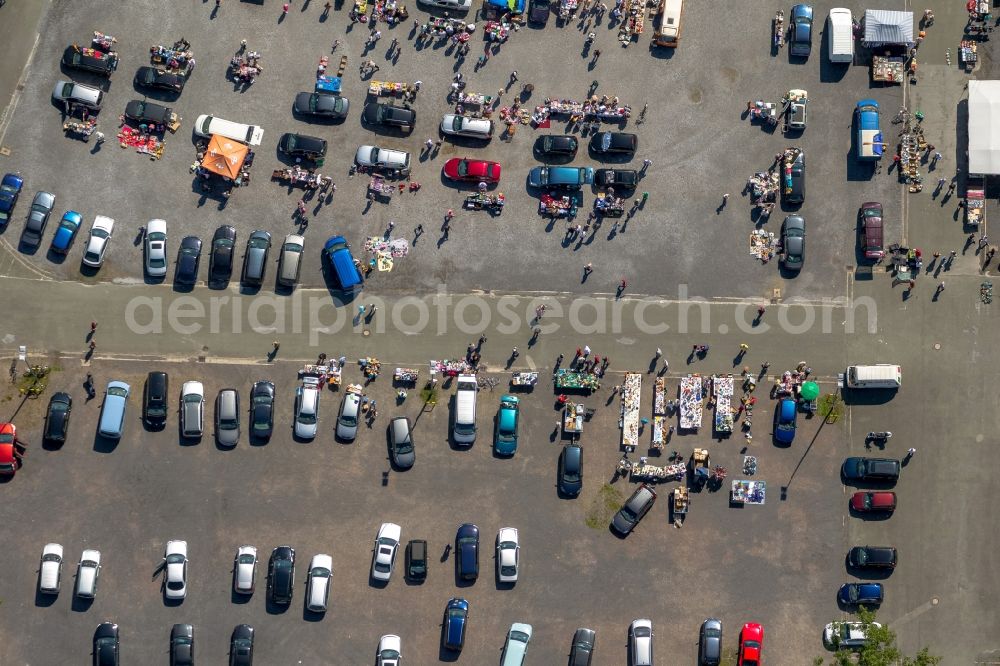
(505, 440)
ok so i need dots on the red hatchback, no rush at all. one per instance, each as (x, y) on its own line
(751, 644)
(462, 168)
(873, 502)
(8, 453)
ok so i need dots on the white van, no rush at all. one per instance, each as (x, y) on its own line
(206, 126)
(465, 410)
(840, 35)
(881, 376)
(668, 32)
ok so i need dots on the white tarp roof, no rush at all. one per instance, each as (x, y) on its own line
(984, 127)
(888, 27)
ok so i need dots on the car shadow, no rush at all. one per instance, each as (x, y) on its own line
(867, 574)
(310, 615)
(43, 600)
(869, 516)
(275, 609)
(80, 604)
(104, 444)
(235, 597)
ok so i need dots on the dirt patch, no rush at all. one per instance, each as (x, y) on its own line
(603, 506)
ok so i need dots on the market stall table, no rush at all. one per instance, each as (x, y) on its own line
(660, 396)
(631, 402)
(632, 21)
(722, 386)
(609, 205)
(975, 204)
(177, 59)
(690, 401)
(524, 379)
(485, 201)
(585, 381)
(572, 420)
(81, 128)
(748, 492)
(888, 69)
(646, 472)
(405, 375)
(681, 502)
(378, 88)
(296, 175)
(450, 368)
(370, 366)
(557, 206)
(567, 8)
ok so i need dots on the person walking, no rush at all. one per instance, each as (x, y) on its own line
(744, 347)
(940, 288)
(100, 137)
(450, 214)
(588, 269)
(725, 198)
(513, 77)
(301, 207)
(93, 327)
(659, 352)
(284, 9)
(586, 351)
(275, 346)
(514, 353)
(910, 452)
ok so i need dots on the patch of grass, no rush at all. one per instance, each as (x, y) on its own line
(831, 407)
(607, 502)
(728, 657)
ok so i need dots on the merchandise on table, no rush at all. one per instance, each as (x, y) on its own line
(563, 206)
(383, 251)
(573, 416)
(763, 244)
(601, 108)
(485, 201)
(632, 21)
(766, 112)
(681, 501)
(370, 366)
(450, 368)
(659, 432)
(690, 401)
(975, 204)
(103, 42)
(496, 31)
(144, 143)
(700, 464)
(177, 59)
(389, 11)
(631, 402)
(296, 175)
(391, 88)
(83, 128)
(750, 465)
(660, 396)
(567, 7)
(968, 53)
(609, 205)
(889, 69)
(524, 379)
(406, 375)
(722, 386)
(748, 492)
(646, 472)
(566, 379)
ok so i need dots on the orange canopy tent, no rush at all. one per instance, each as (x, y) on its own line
(224, 156)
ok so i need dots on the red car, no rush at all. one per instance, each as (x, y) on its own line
(873, 502)
(8, 454)
(462, 168)
(751, 644)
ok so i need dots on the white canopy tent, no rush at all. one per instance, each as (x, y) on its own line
(883, 26)
(984, 127)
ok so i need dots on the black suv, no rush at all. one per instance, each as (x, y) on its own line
(872, 557)
(870, 469)
(281, 575)
(301, 145)
(151, 77)
(416, 559)
(154, 398)
(220, 266)
(147, 112)
(90, 60)
(621, 143)
(637, 506)
(262, 410)
(624, 179)
(387, 115)
(57, 419)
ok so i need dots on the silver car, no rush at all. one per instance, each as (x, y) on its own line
(710, 643)
(347, 420)
(192, 409)
(244, 570)
(640, 639)
(69, 92)
(307, 408)
(454, 5)
(100, 235)
(227, 417)
(156, 248)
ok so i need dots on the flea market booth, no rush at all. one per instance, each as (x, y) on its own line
(226, 158)
(889, 35)
(984, 146)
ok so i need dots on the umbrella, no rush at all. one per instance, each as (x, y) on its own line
(224, 156)
(809, 391)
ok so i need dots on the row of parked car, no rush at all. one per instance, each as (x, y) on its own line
(107, 646)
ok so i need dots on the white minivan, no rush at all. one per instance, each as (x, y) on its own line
(464, 430)
(880, 376)
(840, 35)
(206, 126)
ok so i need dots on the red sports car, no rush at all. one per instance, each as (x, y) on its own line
(873, 502)
(8, 461)
(751, 644)
(462, 168)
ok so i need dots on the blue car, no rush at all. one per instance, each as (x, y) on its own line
(467, 552)
(10, 187)
(338, 255)
(870, 142)
(505, 442)
(800, 41)
(66, 231)
(562, 176)
(853, 594)
(456, 618)
(784, 421)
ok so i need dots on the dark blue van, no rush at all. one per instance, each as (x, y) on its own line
(784, 420)
(341, 263)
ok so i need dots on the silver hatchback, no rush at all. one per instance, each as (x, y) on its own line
(227, 417)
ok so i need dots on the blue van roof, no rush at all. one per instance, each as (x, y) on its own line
(516, 6)
(342, 262)
(787, 409)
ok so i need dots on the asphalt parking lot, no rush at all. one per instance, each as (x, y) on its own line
(696, 96)
(128, 499)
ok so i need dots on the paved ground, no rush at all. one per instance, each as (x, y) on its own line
(694, 126)
(127, 499)
(779, 564)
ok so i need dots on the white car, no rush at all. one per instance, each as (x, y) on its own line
(382, 158)
(244, 570)
(508, 555)
(156, 248)
(175, 562)
(100, 235)
(458, 5)
(50, 573)
(318, 583)
(386, 544)
(307, 408)
(389, 651)
(846, 635)
(640, 638)
(477, 128)
(87, 573)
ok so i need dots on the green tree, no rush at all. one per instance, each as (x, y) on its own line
(881, 649)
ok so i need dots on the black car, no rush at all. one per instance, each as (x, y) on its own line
(467, 552)
(106, 644)
(582, 651)
(150, 77)
(539, 10)
(281, 575)
(220, 266)
(416, 559)
(141, 111)
(262, 410)
(571, 470)
(90, 60)
(620, 179)
(241, 646)
(317, 104)
(610, 143)
(872, 557)
(188, 259)
(182, 645)
(793, 242)
(558, 145)
(795, 193)
(637, 506)
(154, 398)
(57, 419)
(387, 115)
(870, 469)
(301, 145)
